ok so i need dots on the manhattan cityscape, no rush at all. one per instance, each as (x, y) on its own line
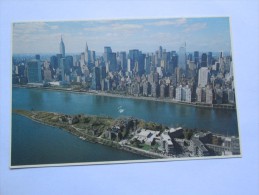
(137, 61)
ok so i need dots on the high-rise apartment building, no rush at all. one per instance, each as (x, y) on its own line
(183, 93)
(203, 77)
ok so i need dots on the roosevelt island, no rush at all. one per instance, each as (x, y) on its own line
(146, 138)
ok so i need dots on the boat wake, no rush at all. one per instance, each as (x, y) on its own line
(120, 109)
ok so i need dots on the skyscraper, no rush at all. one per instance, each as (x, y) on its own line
(96, 84)
(182, 58)
(209, 58)
(34, 71)
(54, 62)
(196, 58)
(86, 54)
(92, 56)
(123, 61)
(62, 47)
(160, 52)
(203, 77)
(204, 60)
(107, 53)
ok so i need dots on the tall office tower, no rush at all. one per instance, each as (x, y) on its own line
(189, 57)
(165, 60)
(123, 61)
(173, 63)
(87, 54)
(160, 52)
(62, 48)
(130, 65)
(209, 58)
(96, 79)
(204, 60)
(148, 64)
(203, 77)
(34, 71)
(63, 68)
(196, 58)
(92, 56)
(134, 54)
(107, 53)
(82, 59)
(166, 56)
(69, 62)
(182, 58)
(59, 56)
(141, 64)
(54, 62)
(113, 62)
(156, 59)
(103, 72)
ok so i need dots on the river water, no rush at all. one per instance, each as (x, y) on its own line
(34, 143)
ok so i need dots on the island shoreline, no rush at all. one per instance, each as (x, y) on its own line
(97, 140)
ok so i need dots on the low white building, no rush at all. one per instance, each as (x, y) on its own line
(146, 136)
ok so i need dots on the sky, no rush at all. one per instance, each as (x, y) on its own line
(201, 34)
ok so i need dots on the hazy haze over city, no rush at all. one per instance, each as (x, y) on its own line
(201, 34)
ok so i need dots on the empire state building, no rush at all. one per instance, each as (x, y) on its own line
(62, 47)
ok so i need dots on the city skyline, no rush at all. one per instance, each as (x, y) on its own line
(202, 34)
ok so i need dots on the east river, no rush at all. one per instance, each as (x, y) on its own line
(34, 143)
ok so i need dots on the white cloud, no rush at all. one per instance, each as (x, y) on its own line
(176, 22)
(30, 27)
(114, 27)
(195, 27)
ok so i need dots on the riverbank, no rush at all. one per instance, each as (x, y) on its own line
(100, 93)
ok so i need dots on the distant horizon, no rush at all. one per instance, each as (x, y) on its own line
(146, 35)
